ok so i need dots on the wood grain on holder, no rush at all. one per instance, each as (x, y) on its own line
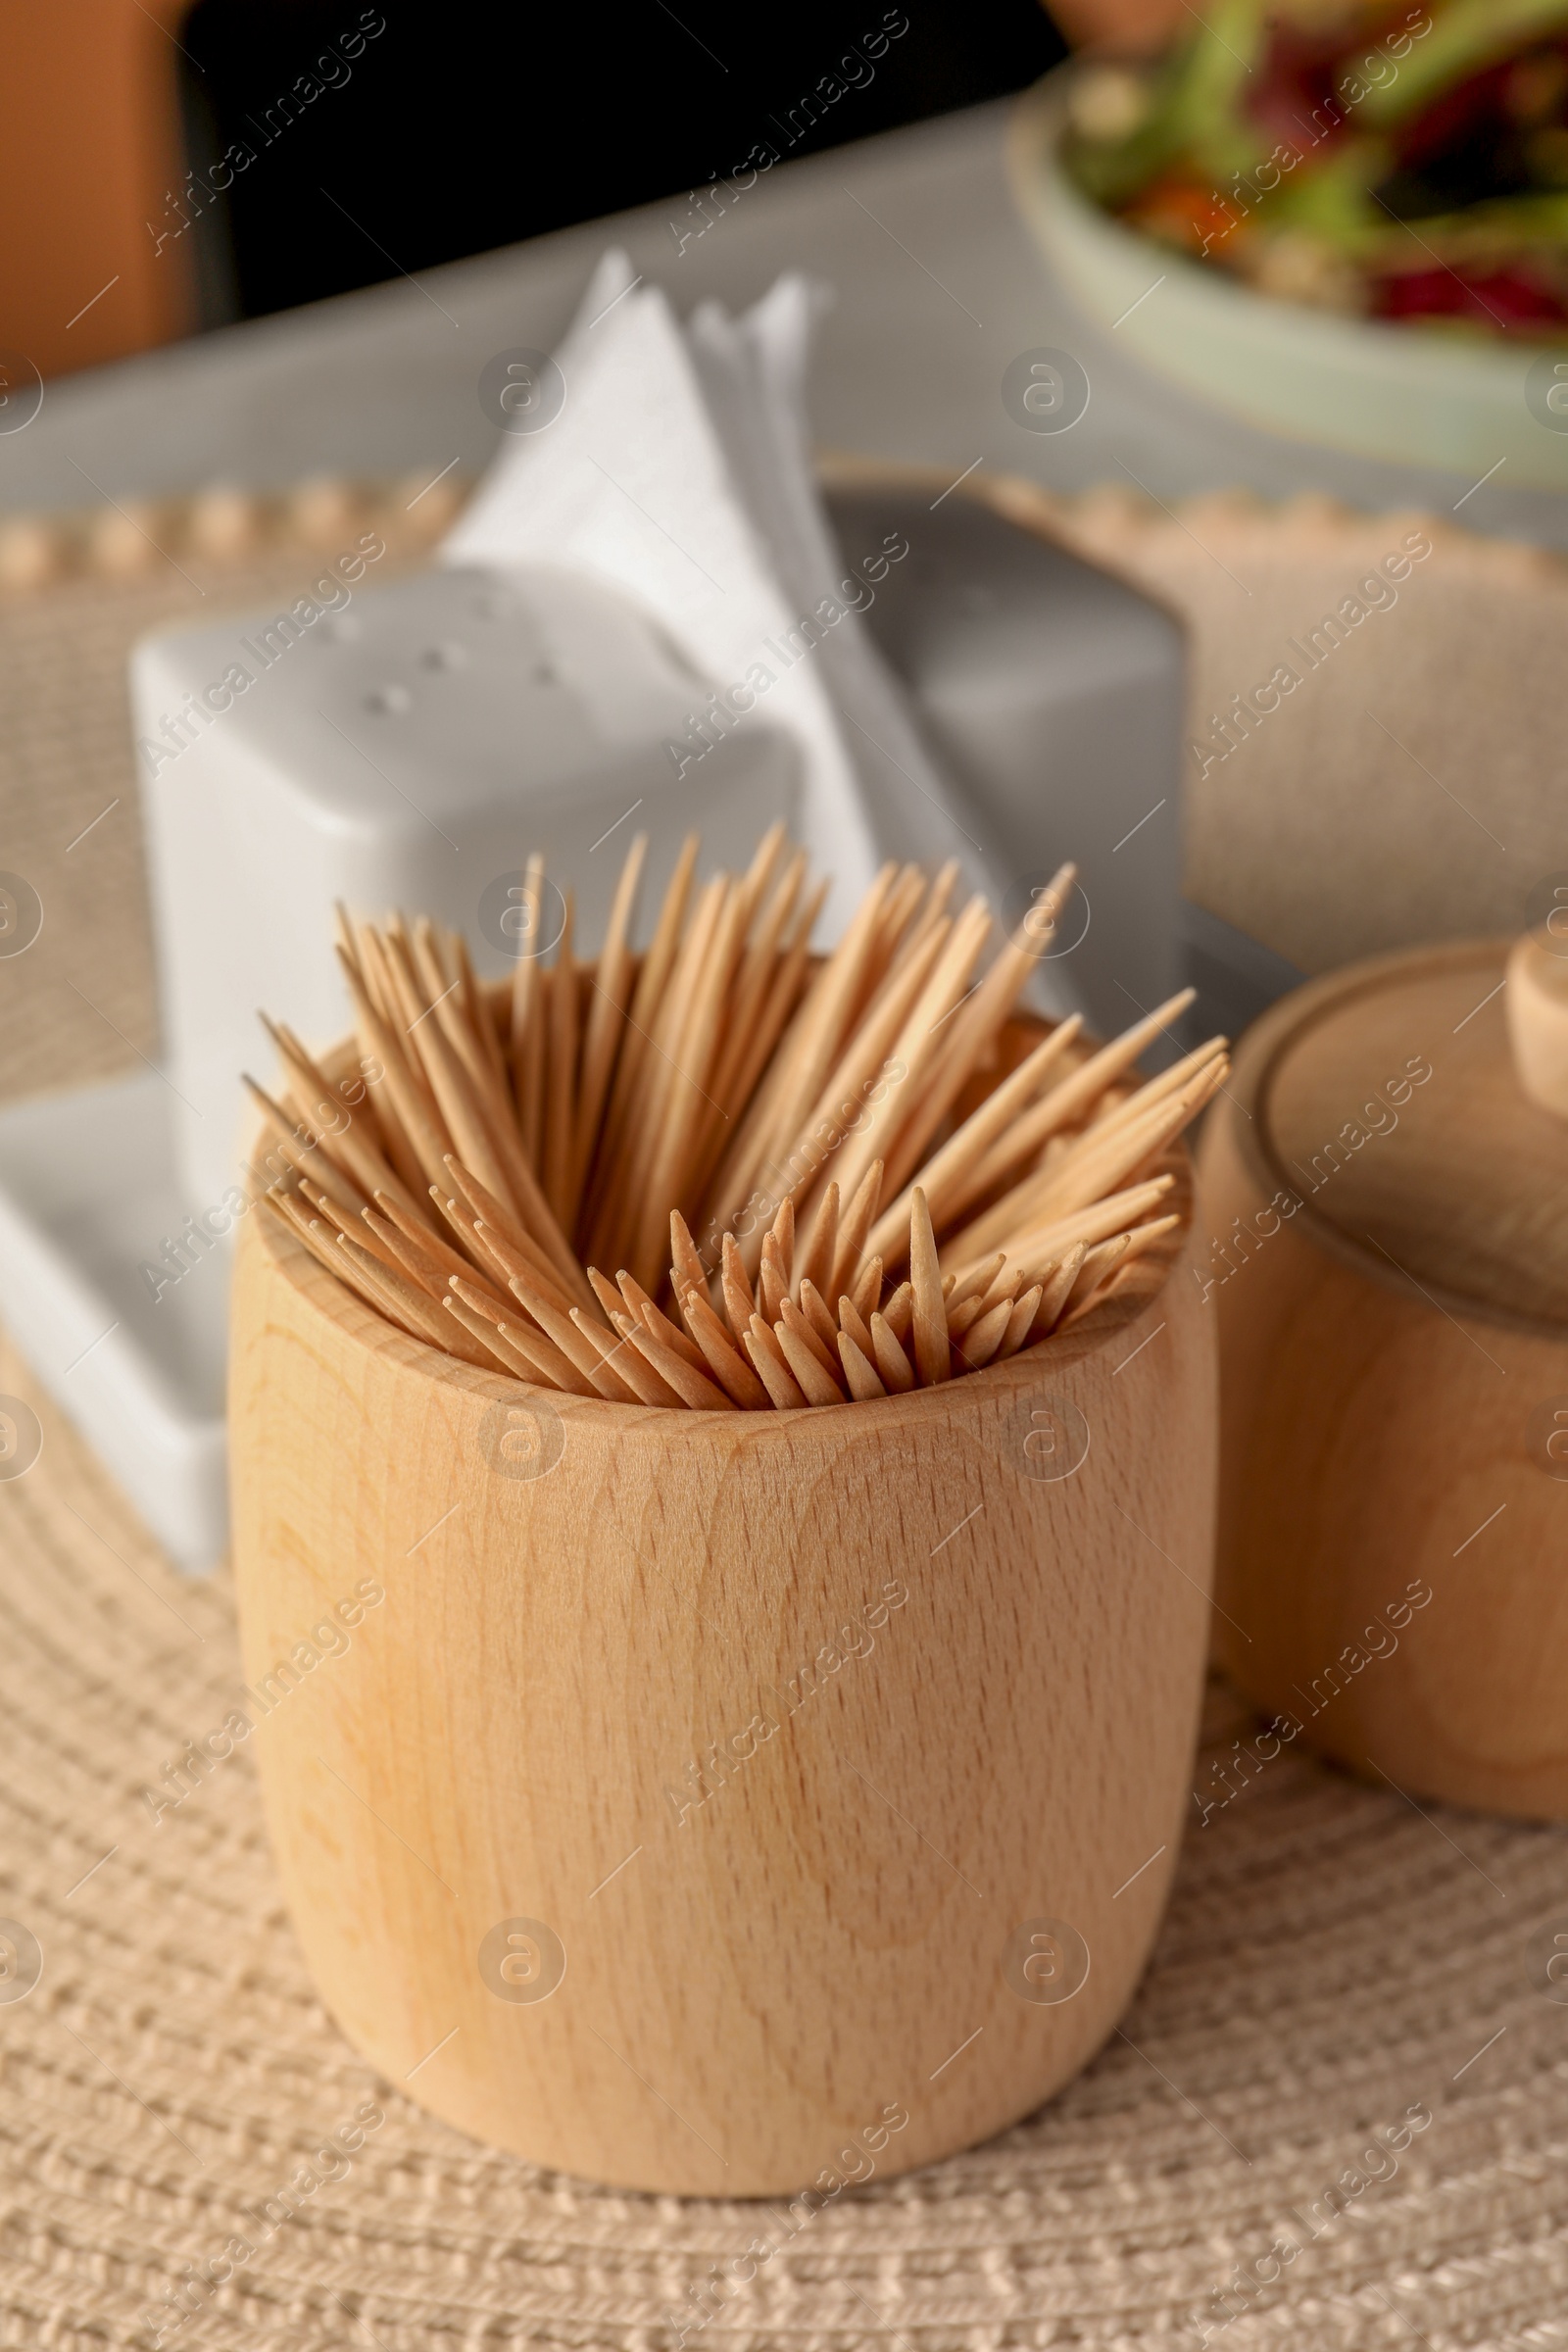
(894, 1178)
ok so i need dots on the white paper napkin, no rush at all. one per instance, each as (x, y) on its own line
(679, 469)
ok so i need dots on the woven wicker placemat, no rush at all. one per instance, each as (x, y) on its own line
(1333, 1959)
(1335, 2115)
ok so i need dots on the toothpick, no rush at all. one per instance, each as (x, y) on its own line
(1064, 1105)
(545, 1359)
(854, 1226)
(499, 1260)
(609, 993)
(1030, 1242)
(891, 1361)
(814, 1308)
(306, 1158)
(981, 1342)
(689, 1101)
(725, 1361)
(643, 1310)
(864, 1383)
(1099, 1166)
(622, 1360)
(802, 1061)
(974, 1281)
(898, 1312)
(973, 1027)
(687, 1271)
(739, 1303)
(416, 1120)
(482, 1013)
(352, 1144)
(932, 1355)
(1058, 1287)
(755, 1017)
(636, 1046)
(399, 1300)
(1020, 1322)
(792, 1320)
(772, 1286)
(1098, 1263)
(817, 1383)
(915, 1048)
(784, 1239)
(561, 1081)
(575, 1345)
(817, 1259)
(419, 1231)
(500, 1219)
(313, 1235)
(960, 1318)
(742, 1090)
(418, 1264)
(694, 1388)
(868, 1070)
(867, 1291)
(527, 1028)
(476, 1242)
(1142, 1238)
(944, 1174)
(1004, 1284)
(484, 1089)
(715, 1081)
(768, 1362)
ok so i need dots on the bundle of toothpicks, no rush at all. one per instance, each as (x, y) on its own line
(817, 1179)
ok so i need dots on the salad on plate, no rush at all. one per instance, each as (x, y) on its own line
(1406, 163)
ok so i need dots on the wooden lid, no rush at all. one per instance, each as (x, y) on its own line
(1386, 1101)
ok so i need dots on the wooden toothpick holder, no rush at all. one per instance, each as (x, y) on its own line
(721, 1804)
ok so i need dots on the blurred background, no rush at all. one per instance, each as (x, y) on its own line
(168, 167)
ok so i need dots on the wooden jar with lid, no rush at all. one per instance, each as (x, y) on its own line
(1387, 1253)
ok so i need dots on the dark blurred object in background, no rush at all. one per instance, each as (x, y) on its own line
(331, 146)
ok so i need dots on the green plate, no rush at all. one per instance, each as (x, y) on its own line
(1407, 394)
